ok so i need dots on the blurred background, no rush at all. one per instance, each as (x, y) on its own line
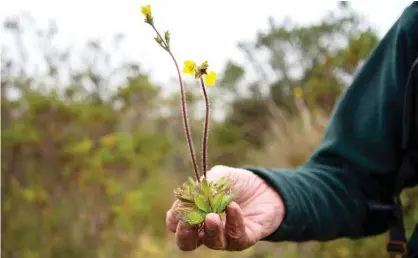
(92, 136)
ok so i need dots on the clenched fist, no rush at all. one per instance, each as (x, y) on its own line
(256, 212)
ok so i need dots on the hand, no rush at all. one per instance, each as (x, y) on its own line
(256, 212)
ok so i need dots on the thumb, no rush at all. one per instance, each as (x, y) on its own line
(235, 230)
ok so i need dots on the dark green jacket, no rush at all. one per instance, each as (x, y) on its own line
(327, 197)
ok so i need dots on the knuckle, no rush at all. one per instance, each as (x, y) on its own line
(234, 235)
(214, 242)
(168, 218)
(183, 236)
(211, 234)
(214, 239)
(218, 169)
(185, 242)
(170, 221)
(235, 232)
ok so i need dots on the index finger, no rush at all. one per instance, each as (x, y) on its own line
(186, 236)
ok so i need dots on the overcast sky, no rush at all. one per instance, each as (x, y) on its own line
(201, 30)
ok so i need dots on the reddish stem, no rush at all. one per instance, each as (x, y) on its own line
(184, 109)
(205, 130)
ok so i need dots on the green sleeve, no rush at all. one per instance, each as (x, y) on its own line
(327, 197)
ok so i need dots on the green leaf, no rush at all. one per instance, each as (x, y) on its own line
(167, 38)
(185, 207)
(201, 203)
(191, 183)
(167, 35)
(194, 217)
(216, 204)
(206, 188)
(226, 199)
(223, 184)
(158, 40)
(183, 194)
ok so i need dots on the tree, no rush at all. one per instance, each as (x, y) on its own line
(319, 58)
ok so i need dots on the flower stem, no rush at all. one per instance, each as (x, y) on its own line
(205, 130)
(184, 108)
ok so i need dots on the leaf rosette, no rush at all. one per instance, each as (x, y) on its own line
(199, 199)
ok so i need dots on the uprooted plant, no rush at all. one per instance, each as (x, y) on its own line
(197, 197)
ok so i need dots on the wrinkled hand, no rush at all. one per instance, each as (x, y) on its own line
(256, 212)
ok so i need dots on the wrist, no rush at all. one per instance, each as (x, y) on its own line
(278, 209)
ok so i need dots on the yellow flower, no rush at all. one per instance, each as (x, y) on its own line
(210, 78)
(189, 67)
(200, 71)
(298, 92)
(146, 10)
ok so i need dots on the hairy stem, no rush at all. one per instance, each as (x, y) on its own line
(184, 109)
(205, 130)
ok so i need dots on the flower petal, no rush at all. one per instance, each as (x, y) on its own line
(189, 67)
(146, 10)
(210, 78)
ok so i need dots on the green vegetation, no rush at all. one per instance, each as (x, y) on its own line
(90, 156)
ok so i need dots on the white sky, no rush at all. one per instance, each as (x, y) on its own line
(201, 30)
